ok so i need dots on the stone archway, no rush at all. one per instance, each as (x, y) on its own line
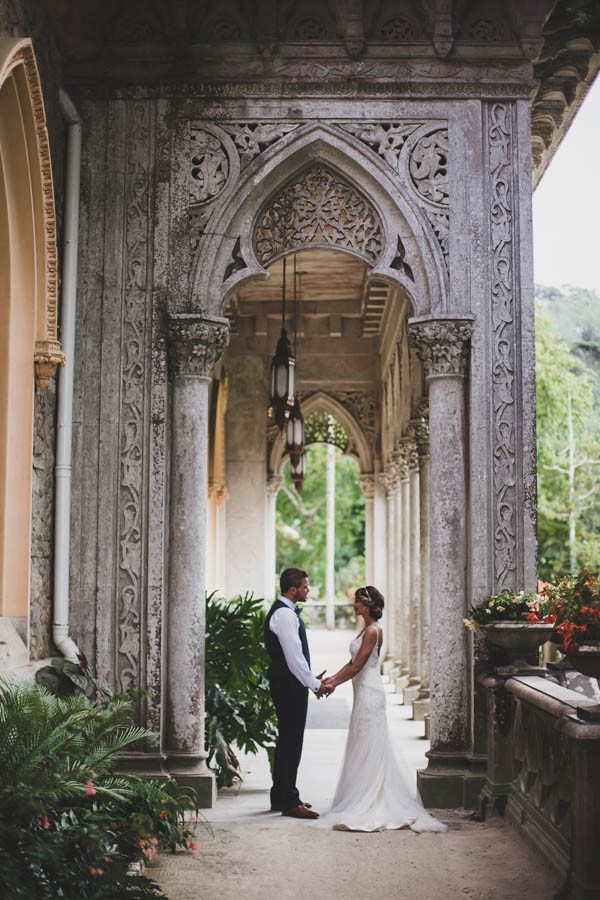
(28, 288)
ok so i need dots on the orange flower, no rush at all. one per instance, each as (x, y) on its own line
(192, 845)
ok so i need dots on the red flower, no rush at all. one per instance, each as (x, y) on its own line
(192, 845)
(533, 618)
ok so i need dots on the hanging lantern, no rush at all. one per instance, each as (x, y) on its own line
(283, 371)
(294, 431)
(298, 470)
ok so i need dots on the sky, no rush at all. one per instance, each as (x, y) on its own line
(566, 205)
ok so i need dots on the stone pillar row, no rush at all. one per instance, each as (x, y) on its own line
(195, 343)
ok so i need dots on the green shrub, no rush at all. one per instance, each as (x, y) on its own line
(69, 827)
(239, 709)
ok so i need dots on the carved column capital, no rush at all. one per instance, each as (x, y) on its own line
(47, 358)
(442, 345)
(389, 479)
(401, 458)
(367, 484)
(418, 429)
(195, 343)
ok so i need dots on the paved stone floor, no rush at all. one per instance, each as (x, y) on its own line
(256, 854)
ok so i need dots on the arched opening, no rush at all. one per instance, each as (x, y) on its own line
(322, 530)
(27, 307)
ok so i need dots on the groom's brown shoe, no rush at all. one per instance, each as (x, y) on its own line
(300, 812)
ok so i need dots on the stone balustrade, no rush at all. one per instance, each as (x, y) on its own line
(543, 773)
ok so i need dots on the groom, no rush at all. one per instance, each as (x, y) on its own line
(290, 679)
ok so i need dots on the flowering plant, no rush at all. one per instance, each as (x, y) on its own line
(508, 607)
(575, 604)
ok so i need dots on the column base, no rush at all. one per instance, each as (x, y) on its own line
(411, 693)
(143, 765)
(420, 708)
(492, 800)
(191, 770)
(451, 780)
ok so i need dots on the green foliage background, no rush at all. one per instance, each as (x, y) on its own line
(568, 363)
(301, 523)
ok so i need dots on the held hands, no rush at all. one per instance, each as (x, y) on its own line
(326, 688)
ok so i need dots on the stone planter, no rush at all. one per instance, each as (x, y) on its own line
(518, 639)
(587, 661)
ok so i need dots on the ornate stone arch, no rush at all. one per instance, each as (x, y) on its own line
(226, 255)
(23, 104)
(360, 444)
(28, 304)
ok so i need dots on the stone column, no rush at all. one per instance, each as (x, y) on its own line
(194, 344)
(442, 346)
(367, 484)
(389, 479)
(403, 562)
(273, 487)
(414, 605)
(420, 430)
(330, 539)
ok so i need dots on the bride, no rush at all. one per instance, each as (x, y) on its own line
(371, 794)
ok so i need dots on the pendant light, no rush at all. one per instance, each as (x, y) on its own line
(298, 470)
(283, 370)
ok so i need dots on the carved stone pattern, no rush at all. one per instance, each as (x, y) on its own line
(428, 166)
(41, 134)
(441, 345)
(209, 166)
(411, 448)
(133, 377)
(390, 479)
(362, 406)
(398, 29)
(418, 430)
(251, 138)
(503, 338)
(237, 262)
(320, 427)
(319, 208)
(367, 485)
(486, 30)
(386, 138)
(195, 345)
(542, 769)
(503, 711)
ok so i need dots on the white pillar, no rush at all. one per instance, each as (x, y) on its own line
(415, 561)
(330, 539)
(273, 487)
(367, 484)
(195, 343)
(390, 480)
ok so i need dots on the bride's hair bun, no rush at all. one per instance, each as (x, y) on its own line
(372, 599)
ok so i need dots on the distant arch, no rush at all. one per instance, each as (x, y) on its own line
(358, 447)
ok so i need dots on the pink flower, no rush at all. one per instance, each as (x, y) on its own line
(96, 871)
(89, 788)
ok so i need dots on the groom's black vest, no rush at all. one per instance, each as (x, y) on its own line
(279, 668)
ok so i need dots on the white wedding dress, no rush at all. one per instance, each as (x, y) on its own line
(372, 794)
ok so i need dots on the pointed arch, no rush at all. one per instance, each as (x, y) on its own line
(28, 303)
(410, 256)
(358, 444)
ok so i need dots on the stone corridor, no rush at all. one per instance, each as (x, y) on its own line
(256, 854)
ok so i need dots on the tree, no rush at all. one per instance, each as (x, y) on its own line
(568, 457)
(301, 522)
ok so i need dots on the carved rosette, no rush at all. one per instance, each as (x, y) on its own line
(322, 209)
(442, 345)
(367, 485)
(503, 341)
(195, 343)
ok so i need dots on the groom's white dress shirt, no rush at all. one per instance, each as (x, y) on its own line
(285, 626)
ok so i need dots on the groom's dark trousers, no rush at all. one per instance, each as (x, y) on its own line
(291, 704)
